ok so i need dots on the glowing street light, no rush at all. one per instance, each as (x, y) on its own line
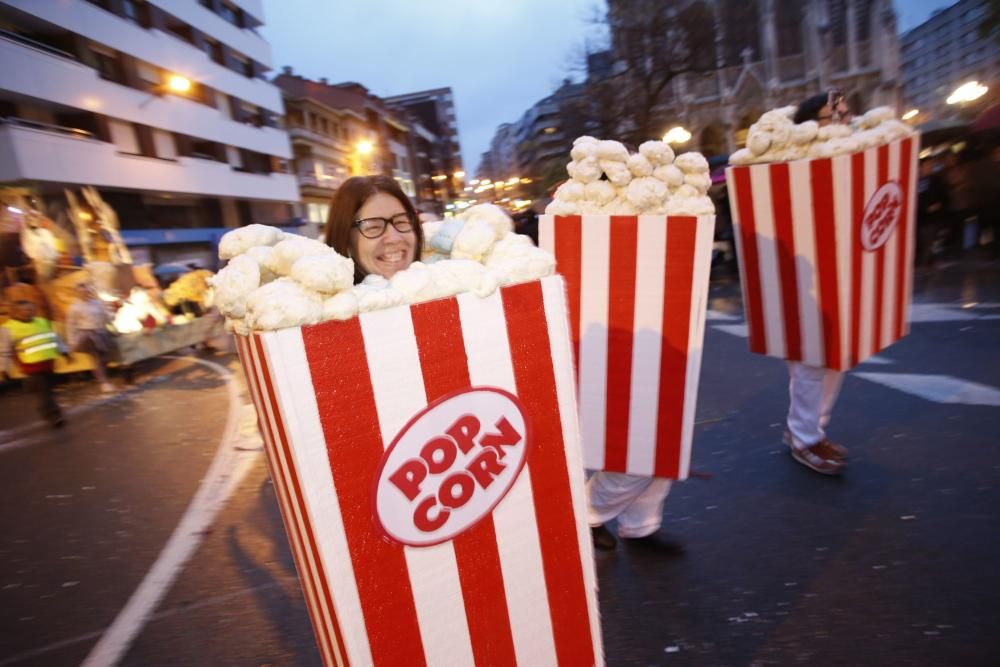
(912, 113)
(178, 84)
(677, 135)
(967, 92)
(364, 147)
(459, 174)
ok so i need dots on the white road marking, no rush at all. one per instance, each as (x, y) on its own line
(937, 388)
(734, 329)
(949, 312)
(719, 315)
(227, 470)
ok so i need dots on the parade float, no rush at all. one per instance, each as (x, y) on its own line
(44, 262)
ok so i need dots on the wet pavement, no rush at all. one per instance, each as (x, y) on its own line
(895, 563)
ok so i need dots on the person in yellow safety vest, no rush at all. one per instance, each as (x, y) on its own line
(31, 342)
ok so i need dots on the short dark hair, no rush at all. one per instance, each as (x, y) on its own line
(809, 109)
(348, 200)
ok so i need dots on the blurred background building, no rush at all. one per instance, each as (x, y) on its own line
(945, 52)
(163, 106)
(709, 67)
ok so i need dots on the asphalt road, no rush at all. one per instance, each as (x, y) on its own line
(895, 563)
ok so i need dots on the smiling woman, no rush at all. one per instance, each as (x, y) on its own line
(374, 223)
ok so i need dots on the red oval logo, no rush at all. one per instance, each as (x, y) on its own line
(882, 214)
(451, 464)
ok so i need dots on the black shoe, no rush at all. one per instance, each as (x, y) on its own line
(656, 543)
(603, 539)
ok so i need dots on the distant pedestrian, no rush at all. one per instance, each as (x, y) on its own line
(31, 343)
(87, 323)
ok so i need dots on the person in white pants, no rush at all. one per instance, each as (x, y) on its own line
(812, 392)
(634, 500)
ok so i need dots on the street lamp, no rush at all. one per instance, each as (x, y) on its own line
(677, 135)
(912, 113)
(364, 147)
(178, 84)
(967, 92)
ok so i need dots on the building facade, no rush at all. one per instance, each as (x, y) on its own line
(945, 52)
(341, 130)
(435, 111)
(772, 53)
(163, 106)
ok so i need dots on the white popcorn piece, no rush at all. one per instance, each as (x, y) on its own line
(685, 191)
(617, 172)
(758, 142)
(286, 252)
(691, 163)
(640, 165)
(874, 117)
(328, 273)
(342, 306)
(820, 149)
(474, 240)
(238, 241)
(283, 303)
(599, 192)
(516, 259)
(619, 206)
(833, 131)
(894, 129)
(261, 255)
(742, 156)
(237, 326)
(375, 293)
(669, 174)
(415, 283)
(781, 135)
(842, 145)
(775, 118)
(584, 139)
(559, 207)
(584, 149)
(612, 150)
(698, 205)
(571, 191)
(701, 182)
(587, 170)
(646, 192)
(463, 275)
(659, 153)
(491, 214)
(234, 283)
(804, 133)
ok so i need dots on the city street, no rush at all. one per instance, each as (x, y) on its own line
(147, 530)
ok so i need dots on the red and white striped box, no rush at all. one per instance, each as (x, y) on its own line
(427, 462)
(637, 289)
(826, 253)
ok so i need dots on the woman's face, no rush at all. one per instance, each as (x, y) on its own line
(392, 251)
(837, 112)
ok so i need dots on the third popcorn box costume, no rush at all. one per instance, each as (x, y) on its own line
(825, 250)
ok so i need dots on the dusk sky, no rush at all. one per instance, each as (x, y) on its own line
(499, 58)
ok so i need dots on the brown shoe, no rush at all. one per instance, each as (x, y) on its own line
(819, 457)
(830, 447)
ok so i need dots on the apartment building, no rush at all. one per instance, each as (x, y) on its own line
(163, 106)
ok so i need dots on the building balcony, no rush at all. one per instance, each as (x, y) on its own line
(37, 152)
(46, 75)
(325, 182)
(162, 49)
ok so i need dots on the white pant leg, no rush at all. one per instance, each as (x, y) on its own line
(635, 500)
(812, 393)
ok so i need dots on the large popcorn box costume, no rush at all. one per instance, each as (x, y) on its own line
(637, 288)
(427, 462)
(825, 249)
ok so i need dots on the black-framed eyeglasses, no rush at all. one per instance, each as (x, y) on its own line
(372, 228)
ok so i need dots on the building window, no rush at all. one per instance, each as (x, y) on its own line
(789, 27)
(107, 62)
(214, 51)
(317, 213)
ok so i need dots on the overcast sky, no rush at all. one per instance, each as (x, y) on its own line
(498, 56)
